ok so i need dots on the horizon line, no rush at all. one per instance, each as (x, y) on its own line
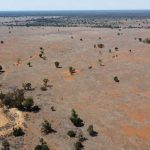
(81, 10)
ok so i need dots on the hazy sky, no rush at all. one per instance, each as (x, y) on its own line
(73, 4)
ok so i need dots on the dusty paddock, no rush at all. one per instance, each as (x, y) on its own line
(119, 111)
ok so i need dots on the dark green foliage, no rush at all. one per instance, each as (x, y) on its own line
(43, 88)
(140, 39)
(116, 48)
(42, 146)
(5, 145)
(57, 64)
(100, 45)
(71, 133)
(18, 132)
(1, 68)
(91, 131)
(16, 99)
(78, 145)
(45, 82)
(147, 41)
(53, 109)
(75, 119)
(46, 128)
(72, 70)
(40, 55)
(116, 79)
(29, 64)
(28, 104)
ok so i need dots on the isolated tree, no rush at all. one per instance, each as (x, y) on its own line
(78, 145)
(71, 133)
(57, 64)
(45, 82)
(18, 132)
(72, 70)
(1, 68)
(28, 104)
(29, 64)
(116, 79)
(42, 146)
(46, 128)
(91, 131)
(75, 119)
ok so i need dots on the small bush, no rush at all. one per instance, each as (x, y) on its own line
(100, 45)
(27, 86)
(1, 68)
(116, 79)
(75, 119)
(43, 88)
(29, 64)
(71, 133)
(17, 100)
(46, 128)
(78, 145)
(91, 131)
(18, 132)
(45, 82)
(53, 109)
(57, 64)
(43, 145)
(28, 104)
(72, 70)
(147, 41)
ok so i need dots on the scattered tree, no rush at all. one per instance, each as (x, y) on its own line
(27, 86)
(75, 119)
(91, 131)
(42, 146)
(116, 79)
(57, 64)
(46, 128)
(72, 70)
(18, 132)
(71, 133)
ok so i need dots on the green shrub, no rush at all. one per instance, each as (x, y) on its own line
(28, 104)
(116, 79)
(42, 146)
(45, 82)
(75, 119)
(91, 131)
(43, 88)
(78, 145)
(100, 45)
(29, 64)
(57, 64)
(72, 70)
(17, 100)
(1, 68)
(71, 133)
(46, 128)
(18, 132)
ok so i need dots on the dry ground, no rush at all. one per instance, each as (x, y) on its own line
(119, 111)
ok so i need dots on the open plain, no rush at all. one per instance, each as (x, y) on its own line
(119, 111)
